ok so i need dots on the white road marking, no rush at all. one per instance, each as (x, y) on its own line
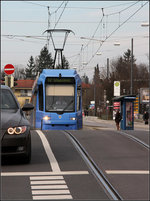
(46, 178)
(52, 197)
(48, 150)
(50, 187)
(48, 182)
(5, 174)
(49, 192)
(127, 171)
(43, 183)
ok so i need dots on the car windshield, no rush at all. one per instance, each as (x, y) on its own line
(7, 100)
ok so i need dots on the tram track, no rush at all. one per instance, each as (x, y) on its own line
(109, 189)
(135, 139)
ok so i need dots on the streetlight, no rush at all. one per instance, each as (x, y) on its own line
(107, 102)
(98, 53)
(116, 43)
(145, 24)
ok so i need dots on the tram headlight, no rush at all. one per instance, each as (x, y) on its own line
(16, 130)
(46, 118)
(73, 118)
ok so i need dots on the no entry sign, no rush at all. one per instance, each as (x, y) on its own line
(9, 69)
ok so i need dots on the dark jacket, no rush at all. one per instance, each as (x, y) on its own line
(145, 116)
(118, 117)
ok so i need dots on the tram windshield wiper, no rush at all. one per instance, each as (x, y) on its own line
(68, 105)
(62, 110)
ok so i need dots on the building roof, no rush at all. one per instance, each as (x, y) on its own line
(29, 84)
(85, 86)
(24, 84)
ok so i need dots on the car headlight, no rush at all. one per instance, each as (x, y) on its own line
(16, 130)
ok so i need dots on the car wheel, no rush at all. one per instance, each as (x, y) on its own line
(27, 157)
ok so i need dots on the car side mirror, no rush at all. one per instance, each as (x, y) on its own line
(28, 107)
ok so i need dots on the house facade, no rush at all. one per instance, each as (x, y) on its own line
(23, 91)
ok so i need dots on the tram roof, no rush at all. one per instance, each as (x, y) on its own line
(57, 72)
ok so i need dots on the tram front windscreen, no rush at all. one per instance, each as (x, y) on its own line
(60, 95)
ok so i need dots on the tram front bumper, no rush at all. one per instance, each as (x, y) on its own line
(59, 125)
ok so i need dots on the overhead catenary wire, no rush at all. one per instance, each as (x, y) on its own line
(100, 22)
(64, 22)
(61, 15)
(77, 7)
(96, 35)
(33, 3)
(119, 12)
(115, 31)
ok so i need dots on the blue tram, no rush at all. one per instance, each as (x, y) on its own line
(57, 98)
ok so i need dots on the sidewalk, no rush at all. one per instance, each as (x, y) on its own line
(96, 122)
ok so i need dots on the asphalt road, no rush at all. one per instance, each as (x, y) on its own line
(57, 171)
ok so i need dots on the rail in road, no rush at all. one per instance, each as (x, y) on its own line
(96, 123)
(113, 194)
(57, 171)
(52, 185)
(44, 185)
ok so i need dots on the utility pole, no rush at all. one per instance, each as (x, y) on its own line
(48, 35)
(107, 68)
(131, 90)
(94, 97)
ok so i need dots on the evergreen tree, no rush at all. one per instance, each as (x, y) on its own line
(97, 93)
(127, 56)
(30, 70)
(44, 60)
(96, 75)
(85, 79)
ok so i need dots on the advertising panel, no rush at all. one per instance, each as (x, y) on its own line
(144, 95)
(129, 118)
(116, 106)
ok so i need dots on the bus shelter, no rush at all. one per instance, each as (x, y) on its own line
(127, 111)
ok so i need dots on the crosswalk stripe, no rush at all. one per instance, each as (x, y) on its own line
(41, 191)
(52, 197)
(48, 182)
(50, 187)
(49, 192)
(46, 178)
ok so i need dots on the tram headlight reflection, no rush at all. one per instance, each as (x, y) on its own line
(73, 118)
(46, 118)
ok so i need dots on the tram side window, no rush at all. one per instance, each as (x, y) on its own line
(41, 97)
(78, 98)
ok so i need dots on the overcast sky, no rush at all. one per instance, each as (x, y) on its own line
(100, 23)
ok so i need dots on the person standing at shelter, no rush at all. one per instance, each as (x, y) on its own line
(146, 117)
(118, 119)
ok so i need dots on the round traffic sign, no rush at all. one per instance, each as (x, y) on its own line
(9, 69)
